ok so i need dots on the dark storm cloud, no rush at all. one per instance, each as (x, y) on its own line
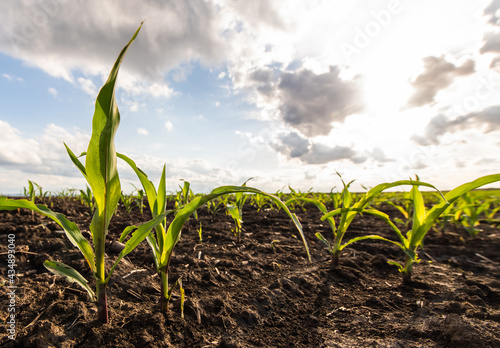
(438, 74)
(60, 35)
(293, 145)
(310, 102)
(488, 120)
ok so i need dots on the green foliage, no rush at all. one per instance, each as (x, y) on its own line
(235, 210)
(350, 207)
(127, 201)
(87, 199)
(468, 212)
(165, 239)
(102, 177)
(424, 219)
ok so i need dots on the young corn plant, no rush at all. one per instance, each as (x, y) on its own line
(214, 206)
(404, 207)
(139, 199)
(236, 211)
(348, 212)
(261, 201)
(184, 196)
(102, 176)
(127, 201)
(87, 199)
(424, 219)
(468, 213)
(162, 243)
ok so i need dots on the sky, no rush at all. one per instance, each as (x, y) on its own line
(288, 92)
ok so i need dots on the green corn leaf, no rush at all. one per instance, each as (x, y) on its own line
(141, 232)
(154, 247)
(450, 197)
(234, 211)
(100, 162)
(126, 232)
(418, 209)
(76, 161)
(370, 195)
(175, 227)
(161, 198)
(400, 209)
(318, 205)
(148, 186)
(72, 275)
(397, 264)
(372, 237)
(69, 227)
(324, 240)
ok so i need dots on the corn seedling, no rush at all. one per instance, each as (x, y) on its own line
(184, 196)
(424, 219)
(127, 201)
(468, 213)
(160, 244)
(349, 210)
(236, 211)
(139, 199)
(200, 233)
(297, 194)
(405, 208)
(86, 198)
(102, 176)
(163, 243)
(260, 201)
(215, 206)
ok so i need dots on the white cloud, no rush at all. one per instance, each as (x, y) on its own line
(169, 126)
(87, 86)
(70, 39)
(142, 131)
(53, 92)
(134, 106)
(43, 159)
(293, 145)
(15, 149)
(12, 77)
(485, 121)
(438, 74)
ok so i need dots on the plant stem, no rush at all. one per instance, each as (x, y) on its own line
(407, 270)
(102, 303)
(336, 258)
(164, 298)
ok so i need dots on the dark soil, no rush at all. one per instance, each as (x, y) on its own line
(260, 293)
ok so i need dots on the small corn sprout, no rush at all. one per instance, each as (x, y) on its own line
(127, 201)
(166, 238)
(139, 199)
(236, 211)
(424, 219)
(87, 198)
(468, 213)
(348, 212)
(102, 176)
